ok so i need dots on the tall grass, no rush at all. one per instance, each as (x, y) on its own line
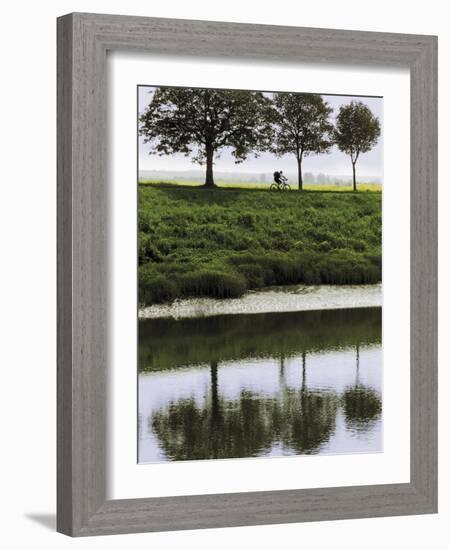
(221, 242)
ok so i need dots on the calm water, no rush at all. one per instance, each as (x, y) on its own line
(274, 384)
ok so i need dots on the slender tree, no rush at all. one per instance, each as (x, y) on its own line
(201, 122)
(302, 126)
(356, 131)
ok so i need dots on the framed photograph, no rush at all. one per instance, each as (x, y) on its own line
(247, 274)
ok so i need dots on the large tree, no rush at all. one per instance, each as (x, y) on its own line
(356, 131)
(302, 126)
(201, 122)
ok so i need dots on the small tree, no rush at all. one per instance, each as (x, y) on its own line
(302, 126)
(201, 122)
(356, 131)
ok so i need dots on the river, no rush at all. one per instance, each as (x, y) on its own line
(277, 383)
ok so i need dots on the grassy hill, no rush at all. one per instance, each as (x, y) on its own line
(221, 242)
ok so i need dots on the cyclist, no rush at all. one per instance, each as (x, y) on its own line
(279, 177)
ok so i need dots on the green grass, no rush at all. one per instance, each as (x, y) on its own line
(221, 242)
(258, 185)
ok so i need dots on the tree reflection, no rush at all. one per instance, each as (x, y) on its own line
(217, 429)
(187, 431)
(248, 426)
(362, 405)
(308, 417)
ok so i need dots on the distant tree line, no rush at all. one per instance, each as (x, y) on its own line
(200, 123)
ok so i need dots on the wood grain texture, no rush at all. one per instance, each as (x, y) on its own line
(423, 275)
(64, 277)
(83, 40)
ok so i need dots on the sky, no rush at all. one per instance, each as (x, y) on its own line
(334, 163)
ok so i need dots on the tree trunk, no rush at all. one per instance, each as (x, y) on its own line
(209, 167)
(299, 159)
(214, 388)
(215, 412)
(354, 183)
(303, 385)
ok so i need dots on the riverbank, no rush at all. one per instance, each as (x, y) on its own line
(271, 300)
(222, 243)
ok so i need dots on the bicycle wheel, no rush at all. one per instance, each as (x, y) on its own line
(274, 187)
(286, 187)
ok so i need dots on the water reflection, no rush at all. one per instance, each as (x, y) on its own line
(307, 417)
(362, 405)
(168, 343)
(286, 392)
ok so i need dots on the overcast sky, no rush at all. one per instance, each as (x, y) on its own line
(335, 163)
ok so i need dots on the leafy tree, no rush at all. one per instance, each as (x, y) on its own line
(302, 126)
(356, 131)
(201, 122)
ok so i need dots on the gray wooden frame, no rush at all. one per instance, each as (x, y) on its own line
(83, 40)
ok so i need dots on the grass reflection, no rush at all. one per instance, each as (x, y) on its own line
(168, 343)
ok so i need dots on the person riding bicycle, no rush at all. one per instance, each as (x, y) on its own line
(283, 178)
(279, 177)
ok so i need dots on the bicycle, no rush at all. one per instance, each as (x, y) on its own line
(282, 186)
